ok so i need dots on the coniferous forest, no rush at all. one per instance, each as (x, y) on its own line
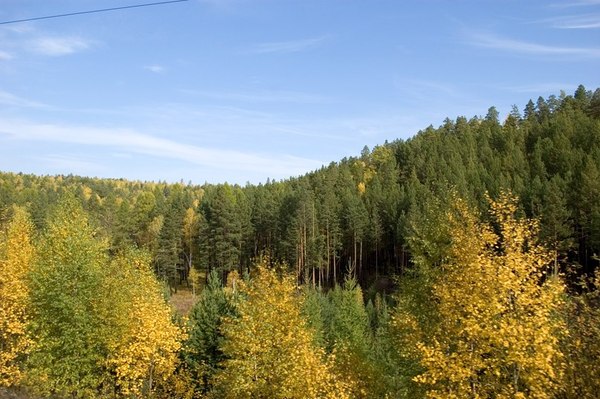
(460, 263)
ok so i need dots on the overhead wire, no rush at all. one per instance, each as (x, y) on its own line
(14, 21)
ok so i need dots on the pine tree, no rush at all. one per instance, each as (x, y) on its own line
(349, 338)
(202, 351)
(191, 229)
(224, 233)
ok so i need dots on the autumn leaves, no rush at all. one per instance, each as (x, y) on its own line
(485, 317)
(76, 321)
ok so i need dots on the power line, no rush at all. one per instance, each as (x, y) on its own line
(91, 11)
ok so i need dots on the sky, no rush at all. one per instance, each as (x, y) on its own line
(245, 90)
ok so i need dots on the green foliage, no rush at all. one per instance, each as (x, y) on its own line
(380, 216)
(202, 350)
(349, 338)
(223, 233)
(69, 334)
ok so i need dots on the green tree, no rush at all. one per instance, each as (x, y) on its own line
(224, 235)
(66, 291)
(349, 338)
(202, 350)
(168, 265)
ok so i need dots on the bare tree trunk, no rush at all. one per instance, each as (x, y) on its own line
(334, 266)
(376, 258)
(361, 259)
(328, 253)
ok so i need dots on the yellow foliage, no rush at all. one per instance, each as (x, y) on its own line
(179, 385)
(582, 347)
(353, 371)
(498, 335)
(361, 188)
(146, 342)
(269, 347)
(16, 256)
(86, 192)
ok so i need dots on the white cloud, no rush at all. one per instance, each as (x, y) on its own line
(426, 89)
(577, 22)
(540, 88)
(70, 164)
(5, 56)
(10, 99)
(126, 140)
(262, 96)
(578, 3)
(523, 47)
(155, 68)
(58, 45)
(291, 46)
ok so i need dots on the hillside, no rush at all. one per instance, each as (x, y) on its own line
(471, 237)
(357, 212)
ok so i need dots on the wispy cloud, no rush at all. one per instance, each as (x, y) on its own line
(224, 4)
(155, 68)
(70, 164)
(58, 45)
(425, 88)
(540, 88)
(12, 100)
(262, 96)
(528, 48)
(5, 56)
(577, 3)
(290, 46)
(126, 140)
(587, 21)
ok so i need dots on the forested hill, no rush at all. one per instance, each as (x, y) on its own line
(371, 213)
(480, 307)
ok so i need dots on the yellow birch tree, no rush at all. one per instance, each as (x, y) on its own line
(498, 334)
(582, 347)
(16, 256)
(269, 349)
(146, 341)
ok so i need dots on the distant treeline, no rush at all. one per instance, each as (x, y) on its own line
(360, 213)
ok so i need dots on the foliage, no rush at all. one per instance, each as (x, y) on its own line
(69, 334)
(385, 215)
(17, 253)
(349, 338)
(202, 352)
(581, 347)
(498, 330)
(144, 350)
(269, 349)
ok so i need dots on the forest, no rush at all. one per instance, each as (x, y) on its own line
(460, 263)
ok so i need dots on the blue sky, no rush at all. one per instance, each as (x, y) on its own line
(242, 90)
